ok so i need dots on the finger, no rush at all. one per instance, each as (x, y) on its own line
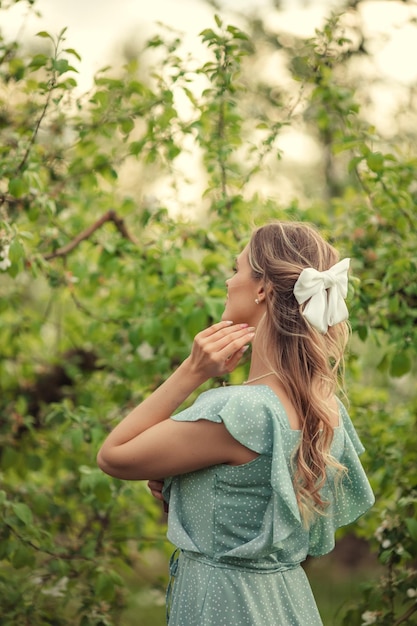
(155, 485)
(156, 481)
(157, 495)
(232, 342)
(215, 328)
(234, 359)
(222, 337)
(225, 335)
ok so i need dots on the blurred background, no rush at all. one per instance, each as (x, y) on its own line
(139, 145)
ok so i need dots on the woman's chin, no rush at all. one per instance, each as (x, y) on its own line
(224, 314)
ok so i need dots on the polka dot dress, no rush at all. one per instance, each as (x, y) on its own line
(240, 537)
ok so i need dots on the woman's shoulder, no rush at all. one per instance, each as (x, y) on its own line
(252, 414)
(252, 401)
(247, 399)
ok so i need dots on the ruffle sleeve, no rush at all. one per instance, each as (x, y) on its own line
(348, 500)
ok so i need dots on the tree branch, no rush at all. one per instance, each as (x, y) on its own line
(110, 216)
(37, 126)
(406, 615)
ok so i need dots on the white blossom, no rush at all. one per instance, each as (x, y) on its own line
(58, 590)
(412, 593)
(381, 529)
(386, 544)
(145, 351)
(369, 617)
(4, 257)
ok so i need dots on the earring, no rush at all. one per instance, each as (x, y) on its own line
(256, 300)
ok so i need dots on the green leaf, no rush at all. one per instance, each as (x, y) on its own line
(38, 61)
(61, 66)
(375, 161)
(196, 322)
(41, 505)
(215, 307)
(44, 34)
(354, 162)
(9, 458)
(18, 187)
(105, 587)
(400, 365)
(363, 332)
(34, 462)
(77, 438)
(384, 363)
(17, 68)
(17, 251)
(68, 83)
(301, 66)
(213, 260)
(73, 52)
(22, 557)
(208, 34)
(127, 125)
(411, 524)
(136, 147)
(23, 512)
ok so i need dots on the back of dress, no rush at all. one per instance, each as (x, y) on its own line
(223, 509)
(244, 520)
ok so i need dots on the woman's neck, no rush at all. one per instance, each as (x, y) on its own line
(260, 369)
(257, 378)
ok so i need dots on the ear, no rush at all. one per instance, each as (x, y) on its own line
(260, 294)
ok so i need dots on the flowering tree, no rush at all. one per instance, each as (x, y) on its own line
(102, 291)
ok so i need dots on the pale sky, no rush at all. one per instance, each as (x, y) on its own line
(97, 30)
(98, 27)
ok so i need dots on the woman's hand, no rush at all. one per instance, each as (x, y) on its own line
(155, 487)
(218, 349)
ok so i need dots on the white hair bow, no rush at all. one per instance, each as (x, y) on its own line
(326, 292)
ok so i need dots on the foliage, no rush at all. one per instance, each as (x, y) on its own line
(376, 210)
(103, 290)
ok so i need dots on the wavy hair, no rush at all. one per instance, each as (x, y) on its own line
(309, 364)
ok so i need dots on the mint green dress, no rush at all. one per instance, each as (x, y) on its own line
(238, 530)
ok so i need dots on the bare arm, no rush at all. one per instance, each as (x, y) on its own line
(146, 444)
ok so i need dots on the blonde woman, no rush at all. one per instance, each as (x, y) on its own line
(261, 474)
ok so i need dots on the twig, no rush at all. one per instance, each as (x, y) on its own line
(406, 615)
(37, 126)
(110, 216)
(402, 210)
(81, 307)
(67, 556)
(389, 193)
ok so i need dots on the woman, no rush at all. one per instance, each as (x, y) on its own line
(262, 473)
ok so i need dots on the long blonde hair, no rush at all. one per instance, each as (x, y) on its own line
(308, 363)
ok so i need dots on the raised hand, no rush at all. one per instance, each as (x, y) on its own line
(218, 349)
